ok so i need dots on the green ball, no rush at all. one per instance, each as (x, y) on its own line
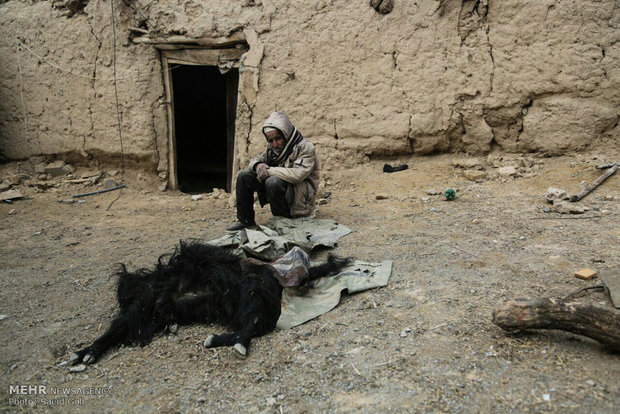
(450, 194)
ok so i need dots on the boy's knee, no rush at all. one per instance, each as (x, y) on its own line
(245, 178)
(243, 174)
(273, 183)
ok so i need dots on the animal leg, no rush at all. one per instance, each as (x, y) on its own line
(237, 339)
(113, 336)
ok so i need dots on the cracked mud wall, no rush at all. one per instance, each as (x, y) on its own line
(56, 89)
(430, 76)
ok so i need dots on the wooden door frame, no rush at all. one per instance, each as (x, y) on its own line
(226, 58)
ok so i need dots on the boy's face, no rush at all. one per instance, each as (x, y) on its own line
(275, 139)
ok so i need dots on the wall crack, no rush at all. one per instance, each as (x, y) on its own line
(492, 74)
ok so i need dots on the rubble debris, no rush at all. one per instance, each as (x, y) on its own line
(594, 184)
(12, 211)
(90, 174)
(10, 195)
(40, 168)
(468, 164)
(381, 197)
(473, 175)
(42, 185)
(13, 180)
(527, 162)
(91, 177)
(555, 194)
(509, 171)
(55, 169)
(36, 160)
(85, 154)
(25, 167)
(564, 207)
(109, 183)
(586, 274)
(218, 193)
(611, 281)
(4, 186)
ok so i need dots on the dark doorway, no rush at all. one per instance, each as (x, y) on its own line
(204, 120)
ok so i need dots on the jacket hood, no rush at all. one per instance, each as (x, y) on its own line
(280, 121)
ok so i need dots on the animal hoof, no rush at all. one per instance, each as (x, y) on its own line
(88, 359)
(209, 341)
(75, 358)
(240, 351)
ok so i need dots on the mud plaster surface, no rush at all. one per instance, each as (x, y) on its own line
(431, 76)
(452, 264)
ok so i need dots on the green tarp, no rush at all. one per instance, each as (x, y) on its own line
(326, 292)
(271, 242)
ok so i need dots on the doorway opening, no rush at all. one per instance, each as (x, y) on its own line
(204, 102)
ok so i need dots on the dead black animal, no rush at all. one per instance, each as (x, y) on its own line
(198, 283)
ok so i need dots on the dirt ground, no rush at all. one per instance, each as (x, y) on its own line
(425, 343)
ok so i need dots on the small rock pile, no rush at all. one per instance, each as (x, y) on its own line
(37, 175)
(495, 167)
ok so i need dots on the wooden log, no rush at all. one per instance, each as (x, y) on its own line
(138, 30)
(608, 165)
(207, 42)
(594, 184)
(592, 320)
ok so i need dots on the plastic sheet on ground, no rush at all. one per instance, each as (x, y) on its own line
(292, 268)
(281, 235)
(276, 242)
(326, 292)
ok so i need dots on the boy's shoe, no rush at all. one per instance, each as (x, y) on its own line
(240, 226)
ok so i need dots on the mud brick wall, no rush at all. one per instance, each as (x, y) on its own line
(419, 77)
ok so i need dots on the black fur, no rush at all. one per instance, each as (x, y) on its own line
(198, 283)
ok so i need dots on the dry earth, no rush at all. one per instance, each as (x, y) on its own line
(425, 343)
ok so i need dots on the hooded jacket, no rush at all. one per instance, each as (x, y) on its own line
(297, 165)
